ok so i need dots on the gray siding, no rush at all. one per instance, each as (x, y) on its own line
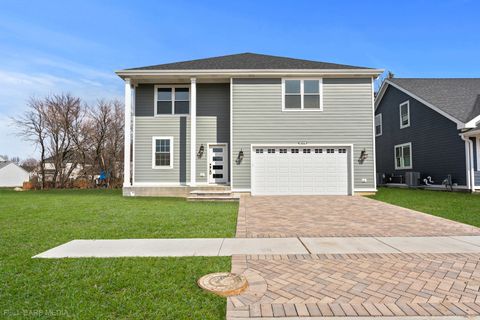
(213, 126)
(347, 118)
(437, 149)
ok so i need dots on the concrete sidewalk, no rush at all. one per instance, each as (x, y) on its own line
(261, 246)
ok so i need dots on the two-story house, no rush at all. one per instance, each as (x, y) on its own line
(252, 123)
(426, 129)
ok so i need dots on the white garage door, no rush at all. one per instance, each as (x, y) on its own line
(285, 170)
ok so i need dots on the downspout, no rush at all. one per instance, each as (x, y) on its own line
(469, 162)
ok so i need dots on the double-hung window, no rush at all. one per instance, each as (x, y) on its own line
(378, 125)
(172, 100)
(403, 156)
(302, 94)
(162, 149)
(404, 114)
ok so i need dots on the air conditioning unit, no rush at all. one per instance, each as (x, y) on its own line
(380, 179)
(412, 178)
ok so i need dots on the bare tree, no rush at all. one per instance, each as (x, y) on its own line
(63, 114)
(29, 164)
(75, 137)
(32, 127)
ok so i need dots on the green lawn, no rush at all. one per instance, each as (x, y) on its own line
(120, 288)
(458, 206)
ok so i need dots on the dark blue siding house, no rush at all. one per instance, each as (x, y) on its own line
(426, 132)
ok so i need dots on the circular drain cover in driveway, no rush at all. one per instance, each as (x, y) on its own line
(223, 283)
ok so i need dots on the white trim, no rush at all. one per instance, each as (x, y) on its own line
(225, 145)
(193, 131)
(374, 137)
(460, 124)
(173, 87)
(154, 138)
(477, 144)
(302, 95)
(403, 167)
(254, 72)
(379, 115)
(469, 162)
(133, 132)
(407, 103)
(290, 145)
(127, 137)
(231, 133)
(473, 122)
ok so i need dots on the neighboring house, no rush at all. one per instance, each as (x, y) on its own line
(428, 127)
(250, 123)
(11, 174)
(76, 169)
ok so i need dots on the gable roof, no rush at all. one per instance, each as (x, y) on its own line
(250, 61)
(457, 98)
(4, 164)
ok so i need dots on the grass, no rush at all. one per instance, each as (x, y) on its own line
(457, 206)
(120, 288)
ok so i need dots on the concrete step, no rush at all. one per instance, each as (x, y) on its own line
(209, 197)
(210, 192)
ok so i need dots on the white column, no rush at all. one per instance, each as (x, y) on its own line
(128, 123)
(193, 131)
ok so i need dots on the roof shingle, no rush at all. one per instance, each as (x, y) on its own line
(249, 61)
(459, 97)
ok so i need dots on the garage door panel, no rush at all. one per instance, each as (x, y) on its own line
(287, 170)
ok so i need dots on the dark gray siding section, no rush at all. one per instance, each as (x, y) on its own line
(437, 149)
(144, 96)
(213, 120)
(213, 126)
(346, 119)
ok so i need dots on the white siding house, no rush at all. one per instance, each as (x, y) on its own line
(12, 175)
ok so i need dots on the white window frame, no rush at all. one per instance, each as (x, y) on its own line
(173, 87)
(407, 103)
(378, 122)
(402, 166)
(154, 139)
(302, 94)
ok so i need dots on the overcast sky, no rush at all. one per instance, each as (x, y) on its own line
(75, 46)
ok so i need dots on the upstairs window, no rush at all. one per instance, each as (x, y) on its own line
(162, 152)
(378, 125)
(302, 94)
(405, 114)
(403, 156)
(172, 100)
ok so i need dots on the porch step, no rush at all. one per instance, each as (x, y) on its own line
(212, 195)
(213, 198)
(211, 192)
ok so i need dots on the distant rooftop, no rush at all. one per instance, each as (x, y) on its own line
(248, 61)
(459, 97)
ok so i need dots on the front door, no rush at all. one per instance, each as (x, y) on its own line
(218, 163)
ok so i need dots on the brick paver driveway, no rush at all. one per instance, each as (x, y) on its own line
(396, 284)
(339, 216)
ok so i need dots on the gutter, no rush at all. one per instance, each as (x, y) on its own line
(249, 72)
(469, 162)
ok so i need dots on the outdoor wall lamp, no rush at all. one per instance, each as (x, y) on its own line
(200, 151)
(240, 156)
(363, 155)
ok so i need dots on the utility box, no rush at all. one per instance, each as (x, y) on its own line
(412, 178)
